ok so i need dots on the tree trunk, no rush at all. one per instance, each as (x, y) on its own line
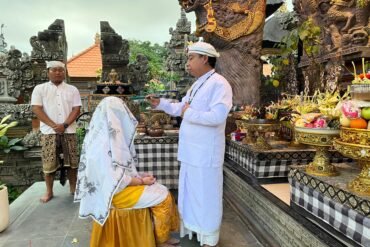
(244, 75)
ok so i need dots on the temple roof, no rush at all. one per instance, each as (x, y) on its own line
(272, 6)
(274, 29)
(87, 62)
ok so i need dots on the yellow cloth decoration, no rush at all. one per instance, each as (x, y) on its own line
(128, 197)
(134, 227)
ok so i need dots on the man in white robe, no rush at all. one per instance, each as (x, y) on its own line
(204, 110)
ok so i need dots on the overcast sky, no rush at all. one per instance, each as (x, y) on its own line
(146, 20)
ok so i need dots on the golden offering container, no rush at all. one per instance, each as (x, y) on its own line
(261, 127)
(294, 142)
(355, 144)
(321, 140)
(241, 124)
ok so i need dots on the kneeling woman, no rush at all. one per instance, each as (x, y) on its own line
(108, 179)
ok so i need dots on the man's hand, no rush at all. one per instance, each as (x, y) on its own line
(59, 128)
(186, 106)
(153, 100)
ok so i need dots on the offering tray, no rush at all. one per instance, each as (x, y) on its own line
(261, 127)
(321, 140)
(355, 144)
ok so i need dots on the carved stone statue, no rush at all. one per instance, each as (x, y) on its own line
(344, 24)
(176, 59)
(114, 52)
(235, 29)
(139, 72)
(3, 44)
(47, 45)
(50, 44)
(344, 38)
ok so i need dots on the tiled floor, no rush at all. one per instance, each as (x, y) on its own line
(281, 191)
(56, 224)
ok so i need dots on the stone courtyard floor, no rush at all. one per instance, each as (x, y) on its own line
(56, 224)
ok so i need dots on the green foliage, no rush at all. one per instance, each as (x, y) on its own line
(310, 33)
(5, 143)
(362, 3)
(154, 86)
(13, 192)
(5, 126)
(156, 55)
(80, 132)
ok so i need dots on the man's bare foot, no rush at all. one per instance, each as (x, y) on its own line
(47, 197)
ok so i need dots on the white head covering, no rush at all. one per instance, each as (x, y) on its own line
(107, 154)
(203, 49)
(54, 64)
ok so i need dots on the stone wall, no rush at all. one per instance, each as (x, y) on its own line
(21, 169)
(271, 221)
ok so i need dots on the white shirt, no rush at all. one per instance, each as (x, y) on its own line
(202, 131)
(57, 103)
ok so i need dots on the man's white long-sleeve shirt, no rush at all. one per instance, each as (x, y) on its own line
(202, 132)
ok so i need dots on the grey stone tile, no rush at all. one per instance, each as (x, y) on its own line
(42, 242)
(56, 223)
(79, 224)
(82, 239)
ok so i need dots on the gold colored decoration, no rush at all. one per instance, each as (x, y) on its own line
(160, 117)
(254, 18)
(241, 124)
(355, 136)
(321, 140)
(294, 142)
(211, 20)
(361, 184)
(261, 127)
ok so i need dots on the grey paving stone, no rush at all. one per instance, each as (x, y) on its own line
(43, 242)
(56, 223)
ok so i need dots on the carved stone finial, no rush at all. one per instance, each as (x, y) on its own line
(97, 38)
(3, 44)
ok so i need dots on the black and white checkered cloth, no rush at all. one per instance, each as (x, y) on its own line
(267, 167)
(159, 159)
(271, 163)
(342, 218)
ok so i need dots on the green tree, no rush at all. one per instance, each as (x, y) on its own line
(156, 55)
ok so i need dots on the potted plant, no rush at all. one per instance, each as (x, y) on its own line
(4, 207)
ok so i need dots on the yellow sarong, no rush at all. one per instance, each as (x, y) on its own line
(134, 227)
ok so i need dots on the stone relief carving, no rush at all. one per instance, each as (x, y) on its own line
(138, 72)
(47, 45)
(115, 53)
(344, 23)
(20, 112)
(51, 43)
(176, 59)
(235, 28)
(32, 139)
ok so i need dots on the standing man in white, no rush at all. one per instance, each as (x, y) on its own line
(204, 110)
(57, 105)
